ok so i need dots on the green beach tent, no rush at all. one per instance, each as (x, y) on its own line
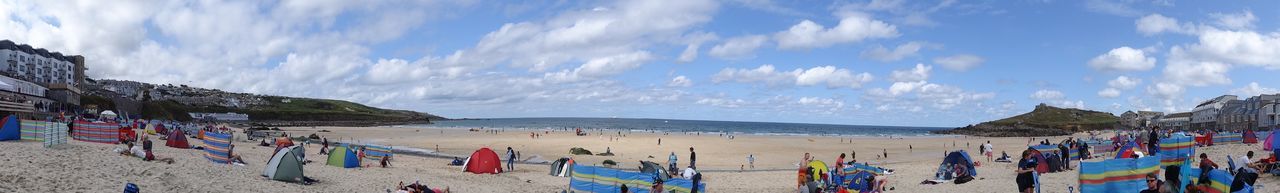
(344, 157)
(285, 166)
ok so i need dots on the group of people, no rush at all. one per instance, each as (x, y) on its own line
(143, 151)
(810, 182)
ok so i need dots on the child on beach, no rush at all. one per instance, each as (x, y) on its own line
(1025, 172)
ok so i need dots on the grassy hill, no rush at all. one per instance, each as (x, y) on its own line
(1043, 121)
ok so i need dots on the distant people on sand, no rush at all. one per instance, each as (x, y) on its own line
(751, 160)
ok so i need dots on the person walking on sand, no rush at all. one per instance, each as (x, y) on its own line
(986, 149)
(886, 153)
(511, 159)
(693, 158)
(751, 160)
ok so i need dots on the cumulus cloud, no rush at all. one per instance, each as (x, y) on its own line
(1238, 47)
(1183, 69)
(1155, 24)
(739, 47)
(1237, 21)
(959, 62)
(1166, 91)
(1109, 93)
(680, 81)
(1253, 89)
(828, 76)
(852, 28)
(880, 53)
(1124, 82)
(1044, 94)
(919, 73)
(1123, 59)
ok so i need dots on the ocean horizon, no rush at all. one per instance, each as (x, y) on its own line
(679, 125)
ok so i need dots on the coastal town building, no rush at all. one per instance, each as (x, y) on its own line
(1140, 119)
(1205, 115)
(1175, 121)
(1269, 116)
(1254, 114)
(219, 116)
(39, 80)
(1233, 116)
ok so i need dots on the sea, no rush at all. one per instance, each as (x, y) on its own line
(674, 126)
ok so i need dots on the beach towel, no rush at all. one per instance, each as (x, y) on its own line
(1117, 175)
(217, 147)
(108, 133)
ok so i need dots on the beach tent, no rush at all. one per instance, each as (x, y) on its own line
(956, 162)
(820, 170)
(217, 147)
(177, 139)
(1128, 150)
(284, 166)
(150, 129)
(283, 142)
(1043, 166)
(108, 133)
(343, 156)
(1249, 137)
(1117, 175)
(1271, 142)
(483, 161)
(656, 169)
(107, 115)
(562, 167)
(161, 129)
(10, 128)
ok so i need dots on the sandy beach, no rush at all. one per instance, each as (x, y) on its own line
(90, 167)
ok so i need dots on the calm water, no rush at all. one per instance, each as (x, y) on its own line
(666, 125)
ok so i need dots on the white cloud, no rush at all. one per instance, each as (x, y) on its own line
(1166, 91)
(770, 6)
(1070, 104)
(1123, 59)
(1238, 47)
(852, 28)
(680, 81)
(832, 77)
(743, 47)
(959, 62)
(829, 76)
(1239, 21)
(1155, 24)
(601, 67)
(1124, 82)
(919, 73)
(900, 88)
(880, 53)
(1047, 95)
(1253, 89)
(1111, 7)
(695, 40)
(1109, 93)
(1185, 70)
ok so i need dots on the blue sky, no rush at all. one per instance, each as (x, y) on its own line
(890, 62)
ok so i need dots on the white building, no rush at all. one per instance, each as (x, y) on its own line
(1269, 116)
(37, 64)
(1205, 115)
(1175, 121)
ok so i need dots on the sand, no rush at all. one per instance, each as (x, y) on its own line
(88, 167)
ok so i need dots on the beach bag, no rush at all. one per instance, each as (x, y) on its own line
(131, 188)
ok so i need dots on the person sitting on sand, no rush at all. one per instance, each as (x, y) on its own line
(264, 143)
(1205, 166)
(385, 161)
